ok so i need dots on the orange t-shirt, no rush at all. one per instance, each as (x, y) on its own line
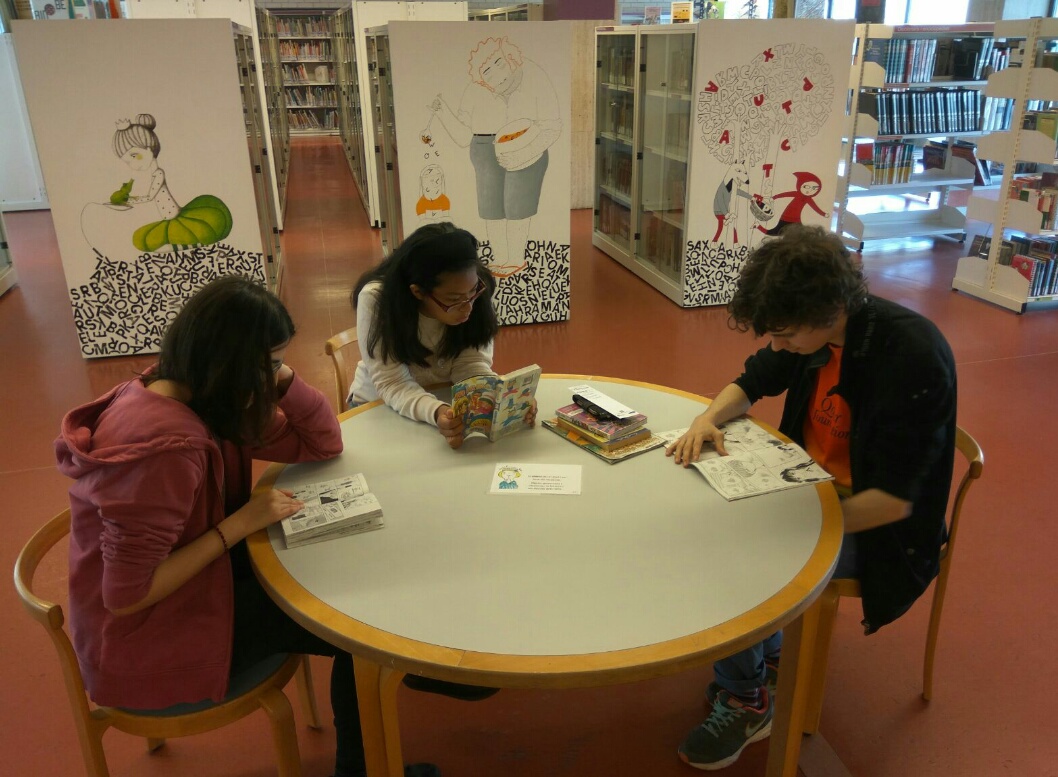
(829, 423)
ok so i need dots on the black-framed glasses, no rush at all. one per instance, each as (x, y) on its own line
(478, 291)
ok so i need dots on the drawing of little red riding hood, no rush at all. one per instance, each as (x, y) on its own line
(808, 186)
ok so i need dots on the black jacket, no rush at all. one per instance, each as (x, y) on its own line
(898, 377)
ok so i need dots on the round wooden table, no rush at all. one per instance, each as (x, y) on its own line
(647, 572)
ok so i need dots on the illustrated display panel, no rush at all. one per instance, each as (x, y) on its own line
(483, 127)
(768, 116)
(147, 171)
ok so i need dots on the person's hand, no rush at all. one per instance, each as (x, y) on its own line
(687, 449)
(450, 426)
(284, 377)
(530, 417)
(262, 510)
(435, 106)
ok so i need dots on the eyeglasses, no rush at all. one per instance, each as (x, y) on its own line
(478, 291)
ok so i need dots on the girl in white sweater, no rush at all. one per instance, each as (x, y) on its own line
(425, 317)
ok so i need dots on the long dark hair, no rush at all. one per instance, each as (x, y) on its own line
(220, 347)
(421, 259)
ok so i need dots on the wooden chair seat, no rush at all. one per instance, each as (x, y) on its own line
(341, 348)
(839, 588)
(260, 689)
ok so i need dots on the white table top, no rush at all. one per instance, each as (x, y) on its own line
(647, 553)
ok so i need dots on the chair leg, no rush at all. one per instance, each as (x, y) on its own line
(90, 733)
(307, 694)
(828, 609)
(284, 737)
(153, 744)
(931, 634)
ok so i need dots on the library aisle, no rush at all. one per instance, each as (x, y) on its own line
(993, 701)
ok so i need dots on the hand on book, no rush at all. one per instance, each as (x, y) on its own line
(263, 509)
(530, 417)
(450, 426)
(688, 448)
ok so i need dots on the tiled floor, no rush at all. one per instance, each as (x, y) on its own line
(994, 705)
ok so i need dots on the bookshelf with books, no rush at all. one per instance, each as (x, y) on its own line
(350, 110)
(275, 104)
(306, 54)
(524, 12)
(1016, 267)
(918, 107)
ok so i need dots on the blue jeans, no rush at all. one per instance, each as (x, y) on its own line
(744, 672)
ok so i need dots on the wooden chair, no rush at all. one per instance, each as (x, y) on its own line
(838, 588)
(344, 363)
(264, 691)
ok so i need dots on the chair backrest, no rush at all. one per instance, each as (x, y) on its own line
(975, 466)
(345, 359)
(48, 614)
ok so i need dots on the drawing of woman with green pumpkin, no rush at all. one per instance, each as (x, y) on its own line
(203, 221)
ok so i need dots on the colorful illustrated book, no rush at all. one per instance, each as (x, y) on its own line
(605, 430)
(649, 443)
(493, 406)
(333, 508)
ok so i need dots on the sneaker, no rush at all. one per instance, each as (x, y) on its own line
(771, 682)
(731, 726)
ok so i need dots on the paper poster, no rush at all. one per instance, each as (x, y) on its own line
(483, 131)
(652, 14)
(520, 479)
(682, 12)
(147, 169)
(768, 117)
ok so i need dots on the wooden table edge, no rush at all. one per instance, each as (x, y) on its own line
(533, 671)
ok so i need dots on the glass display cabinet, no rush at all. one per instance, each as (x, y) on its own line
(643, 127)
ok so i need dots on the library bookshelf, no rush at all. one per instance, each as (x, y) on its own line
(996, 275)
(914, 88)
(306, 55)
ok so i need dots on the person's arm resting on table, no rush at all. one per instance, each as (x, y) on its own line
(730, 403)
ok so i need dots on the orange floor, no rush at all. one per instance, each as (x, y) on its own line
(995, 677)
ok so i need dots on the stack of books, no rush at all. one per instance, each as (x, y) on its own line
(611, 441)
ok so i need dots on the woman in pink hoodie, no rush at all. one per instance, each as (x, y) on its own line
(164, 608)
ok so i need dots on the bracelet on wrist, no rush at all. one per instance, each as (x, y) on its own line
(223, 539)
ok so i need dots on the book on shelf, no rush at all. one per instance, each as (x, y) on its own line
(333, 508)
(757, 463)
(612, 456)
(605, 430)
(493, 406)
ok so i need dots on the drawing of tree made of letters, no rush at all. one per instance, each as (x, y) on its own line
(784, 94)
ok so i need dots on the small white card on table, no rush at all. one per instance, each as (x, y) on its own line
(536, 479)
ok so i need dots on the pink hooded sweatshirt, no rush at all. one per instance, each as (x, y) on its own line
(151, 478)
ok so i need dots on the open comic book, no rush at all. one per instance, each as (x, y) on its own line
(333, 508)
(493, 406)
(759, 462)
